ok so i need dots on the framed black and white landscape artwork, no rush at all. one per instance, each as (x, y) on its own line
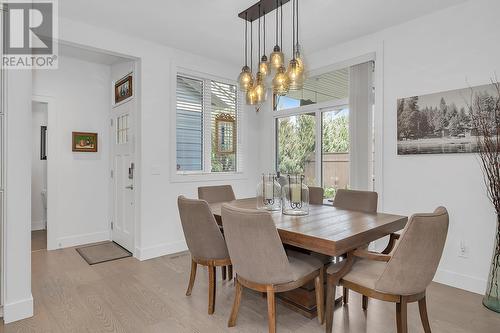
(439, 123)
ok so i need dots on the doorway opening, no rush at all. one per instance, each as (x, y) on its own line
(86, 191)
(39, 176)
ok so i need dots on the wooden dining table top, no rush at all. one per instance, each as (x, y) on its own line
(326, 229)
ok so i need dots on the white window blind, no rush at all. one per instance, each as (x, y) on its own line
(189, 123)
(207, 126)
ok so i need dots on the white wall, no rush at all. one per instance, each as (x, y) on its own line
(450, 49)
(18, 302)
(38, 167)
(79, 200)
(159, 226)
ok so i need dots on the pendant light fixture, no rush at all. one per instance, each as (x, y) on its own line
(294, 71)
(277, 57)
(281, 82)
(245, 79)
(264, 67)
(259, 86)
(298, 47)
(251, 96)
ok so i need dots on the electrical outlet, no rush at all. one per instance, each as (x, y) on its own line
(463, 251)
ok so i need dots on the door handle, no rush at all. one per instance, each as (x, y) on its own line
(130, 187)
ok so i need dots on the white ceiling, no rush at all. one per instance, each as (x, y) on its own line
(212, 28)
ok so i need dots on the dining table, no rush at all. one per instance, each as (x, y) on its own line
(326, 230)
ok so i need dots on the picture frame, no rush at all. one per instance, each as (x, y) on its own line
(123, 89)
(439, 123)
(84, 142)
(225, 134)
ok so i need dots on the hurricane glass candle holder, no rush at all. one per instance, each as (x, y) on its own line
(295, 196)
(269, 193)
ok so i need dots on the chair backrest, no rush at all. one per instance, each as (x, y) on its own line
(254, 245)
(211, 194)
(415, 259)
(316, 195)
(361, 201)
(203, 236)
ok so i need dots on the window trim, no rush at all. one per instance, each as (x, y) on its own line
(204, 175)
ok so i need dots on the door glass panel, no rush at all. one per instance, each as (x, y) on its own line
(335, 150)
(296, 143)
(122, 129)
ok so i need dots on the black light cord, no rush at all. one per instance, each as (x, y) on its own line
(281, 24)
(264, 32)
(246, 39)
(277, 22)
(258, 55)
(251, 45)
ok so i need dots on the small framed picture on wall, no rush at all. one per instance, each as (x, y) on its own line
(123, 89)
(84, 142)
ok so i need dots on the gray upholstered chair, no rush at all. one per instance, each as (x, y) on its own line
(205, 242)
(316, 195)
(361, 201)
(219, 193)
(401, 277)
(260, 261)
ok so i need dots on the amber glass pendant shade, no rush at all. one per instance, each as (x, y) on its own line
(280, 82)
(260, 88)
(295, 75)
(245, 79)
(251, 96)
(264, 67)
(277, 58)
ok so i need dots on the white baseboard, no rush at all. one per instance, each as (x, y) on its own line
(18, 310)
(76, 240)
(38, 225)
(461, 281)
(160, 250)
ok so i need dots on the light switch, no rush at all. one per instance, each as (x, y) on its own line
(155, 169)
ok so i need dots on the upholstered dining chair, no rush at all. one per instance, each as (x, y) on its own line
(360, 201)
(205, 242)
(316, 195)
(401, 277)
(219, 193)
(261, 264)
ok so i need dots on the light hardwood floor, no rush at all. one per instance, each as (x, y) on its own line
(131, 296)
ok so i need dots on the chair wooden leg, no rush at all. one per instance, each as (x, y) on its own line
(271, 311)
(236, 304)
(365, 302)
(402, 316)
(212, 276)
(331, 286)
(319, 283)
(422, 307)
(223, 271)
(230, 272)
(192, 277)
(345, 296)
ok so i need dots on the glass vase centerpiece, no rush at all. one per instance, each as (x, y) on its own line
(295, 196)
(269, 193)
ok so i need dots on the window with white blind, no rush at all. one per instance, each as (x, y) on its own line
(206, 126)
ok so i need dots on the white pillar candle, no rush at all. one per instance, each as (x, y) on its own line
(268, 189)
(295, 192)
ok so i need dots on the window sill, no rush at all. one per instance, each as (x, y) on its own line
(207, 177)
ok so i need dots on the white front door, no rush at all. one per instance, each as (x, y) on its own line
(123, 173)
